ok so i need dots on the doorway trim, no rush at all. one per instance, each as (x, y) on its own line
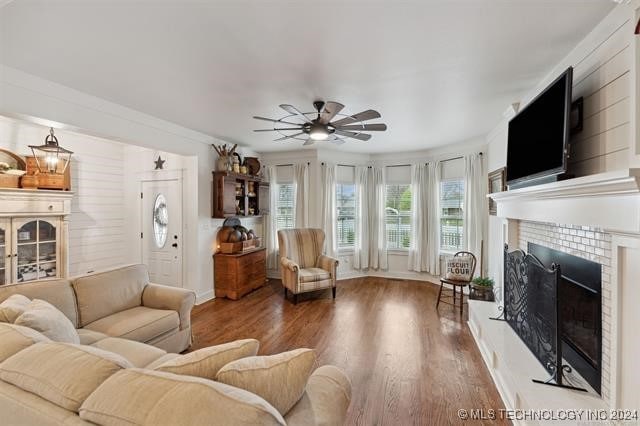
(160, 176)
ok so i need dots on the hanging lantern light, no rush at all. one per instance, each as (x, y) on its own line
(48, 156)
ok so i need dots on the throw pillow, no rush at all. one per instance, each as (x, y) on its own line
(144, 397)
(13, 307)
(14, 338)
(459, 268)
(279, 379)
(48, 320)
(207, 362)
(61, 373)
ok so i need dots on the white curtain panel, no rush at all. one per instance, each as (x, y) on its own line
(270, 222)
(328, 212)
(377, 223)
(371, 243)
(301, 187)
(361, 245)
(476, 210)
(424, 251)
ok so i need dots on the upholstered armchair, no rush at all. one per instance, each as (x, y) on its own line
(303, 266)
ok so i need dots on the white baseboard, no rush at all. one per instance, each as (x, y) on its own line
(398, 275)
(205, 297)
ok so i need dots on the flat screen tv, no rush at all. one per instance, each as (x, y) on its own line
(538, 136)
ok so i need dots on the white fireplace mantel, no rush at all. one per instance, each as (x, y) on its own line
(607, 200)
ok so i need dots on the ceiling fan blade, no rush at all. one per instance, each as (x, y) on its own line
(330, 111)
(309, 142)
(288, 137)
(275, 130)
(360, 136)
(275, 121)
(293, 110)
(361, 116)
(365, 127)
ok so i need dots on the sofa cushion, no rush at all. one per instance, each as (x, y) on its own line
(138, 354)
(12, 307)
(57, 292)
(325, 400)
(280, 379)
(206, 362)
(164, 358)
(106, 293)
(313, 274)
(89, 337)
(47, 319)
(143, 397)
(141, 324)
(61, 373)
(21, 408)
(14, 338)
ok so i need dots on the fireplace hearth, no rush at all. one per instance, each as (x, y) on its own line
(553, 303)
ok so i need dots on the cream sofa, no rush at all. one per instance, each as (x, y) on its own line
(47, 383)
(118, 303)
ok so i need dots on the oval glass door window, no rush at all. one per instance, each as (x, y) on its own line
(160, 220)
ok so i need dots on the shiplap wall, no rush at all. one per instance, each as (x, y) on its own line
(603, 78)
(602, 75)
(97, 222)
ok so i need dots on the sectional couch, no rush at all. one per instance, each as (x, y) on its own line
(123, 372)
(118, 303)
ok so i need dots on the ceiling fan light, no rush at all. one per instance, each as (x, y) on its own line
(318, 135)
(318, 132)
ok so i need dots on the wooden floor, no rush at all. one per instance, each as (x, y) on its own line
(408, 363)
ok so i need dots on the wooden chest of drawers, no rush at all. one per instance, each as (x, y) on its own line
(237, 274)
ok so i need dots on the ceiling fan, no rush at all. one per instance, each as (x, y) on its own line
(317, 126)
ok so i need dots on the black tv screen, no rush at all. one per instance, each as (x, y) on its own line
(539, 134)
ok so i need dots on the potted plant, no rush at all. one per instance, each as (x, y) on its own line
(482, 288)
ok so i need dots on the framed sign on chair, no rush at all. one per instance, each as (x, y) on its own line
(497, 183)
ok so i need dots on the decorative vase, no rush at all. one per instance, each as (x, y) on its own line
(221, 164)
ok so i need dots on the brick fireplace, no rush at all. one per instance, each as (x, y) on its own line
(588, 243)
(596, 218)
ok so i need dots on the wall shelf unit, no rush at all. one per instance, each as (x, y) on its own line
(236, 194)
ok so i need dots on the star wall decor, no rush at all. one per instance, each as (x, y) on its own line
(159, 163)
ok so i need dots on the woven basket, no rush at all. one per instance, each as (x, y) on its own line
(240, 246)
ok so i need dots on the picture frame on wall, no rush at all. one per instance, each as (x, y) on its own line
(497, 183)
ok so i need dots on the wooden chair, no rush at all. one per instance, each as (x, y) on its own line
(456, 283)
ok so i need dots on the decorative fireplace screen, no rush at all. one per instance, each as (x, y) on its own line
(531, 295)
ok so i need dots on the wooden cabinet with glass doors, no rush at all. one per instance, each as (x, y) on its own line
(31, 248)
(34, 234)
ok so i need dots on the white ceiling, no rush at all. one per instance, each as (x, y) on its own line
(439, 72)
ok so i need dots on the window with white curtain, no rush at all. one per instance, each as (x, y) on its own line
(398, 207)
(285, 215)
(451, 214)
(398, 216)
(346, 211)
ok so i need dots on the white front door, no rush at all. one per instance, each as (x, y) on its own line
(162, 230)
